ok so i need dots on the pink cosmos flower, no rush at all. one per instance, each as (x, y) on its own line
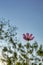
(28, 36)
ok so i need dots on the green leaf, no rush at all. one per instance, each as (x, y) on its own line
(5, 49)
(40, 52)
(27, 45)
(9, 61)
(22, 50)
(18, 63)
(24, 55)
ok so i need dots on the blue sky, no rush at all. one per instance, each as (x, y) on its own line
(27, 15)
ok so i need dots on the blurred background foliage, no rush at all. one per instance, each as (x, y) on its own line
(16, 53)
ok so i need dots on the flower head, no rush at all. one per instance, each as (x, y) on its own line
(28, 36)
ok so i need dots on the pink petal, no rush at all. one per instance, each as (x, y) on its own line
(32, 38)
(30, 35)
(27, 34)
